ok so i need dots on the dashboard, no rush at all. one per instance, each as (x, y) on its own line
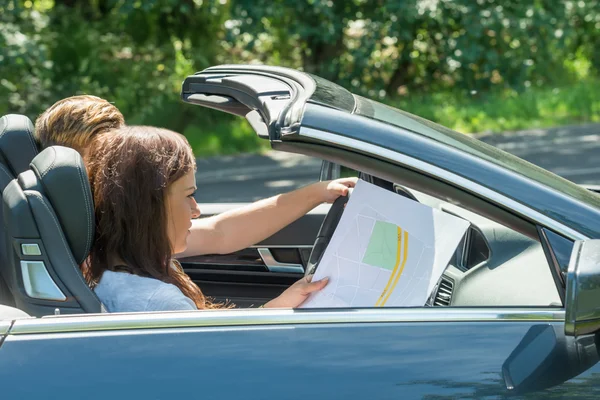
(493, 265)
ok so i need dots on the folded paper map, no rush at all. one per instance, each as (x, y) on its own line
(387, 251)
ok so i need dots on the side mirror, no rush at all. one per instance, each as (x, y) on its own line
(582, 308)
(549, 355)
(545, 357)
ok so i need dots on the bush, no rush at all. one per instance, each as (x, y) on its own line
(413, 53)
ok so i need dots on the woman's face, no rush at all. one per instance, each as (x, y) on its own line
(181, 208)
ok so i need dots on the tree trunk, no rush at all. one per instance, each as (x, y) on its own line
(399, 77)
(323, 57)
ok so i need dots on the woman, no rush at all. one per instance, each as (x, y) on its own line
(143, 184)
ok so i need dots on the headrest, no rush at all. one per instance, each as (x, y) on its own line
(61, 173)
(17, 146)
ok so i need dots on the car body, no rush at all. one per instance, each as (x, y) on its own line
(505, 319)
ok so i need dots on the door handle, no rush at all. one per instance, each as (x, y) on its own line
(276, 266)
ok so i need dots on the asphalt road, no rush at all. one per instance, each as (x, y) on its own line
(572, 152)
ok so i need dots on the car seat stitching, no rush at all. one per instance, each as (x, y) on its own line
(35, 169)
(5, 126)
(7, 172)
(30, 136)
(61, 234)
(27, 129)
(87, 205)
(51, 165)
(29, 193)
(88, 201)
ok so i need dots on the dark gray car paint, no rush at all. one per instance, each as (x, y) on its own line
(435, 360)
(438, 360)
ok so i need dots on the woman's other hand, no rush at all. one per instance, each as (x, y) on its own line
(295, 295)
(329, 191)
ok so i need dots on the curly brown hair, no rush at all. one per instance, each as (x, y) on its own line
(130, 171)
(75, 121)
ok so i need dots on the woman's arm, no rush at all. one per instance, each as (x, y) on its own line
(243, 227)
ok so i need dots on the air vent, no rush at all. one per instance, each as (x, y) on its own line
(444, 293)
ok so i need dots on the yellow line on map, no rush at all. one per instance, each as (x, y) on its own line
(397, 278)
(377, 304)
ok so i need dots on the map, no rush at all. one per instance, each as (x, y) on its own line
(382, 255)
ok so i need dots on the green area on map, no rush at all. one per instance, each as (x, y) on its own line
(382, 250)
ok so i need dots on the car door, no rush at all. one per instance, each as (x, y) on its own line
(252, 276)
(384, 353)
(263, 354)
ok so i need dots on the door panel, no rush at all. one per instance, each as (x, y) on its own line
(400, 360)
(242, 288)
(250, 277)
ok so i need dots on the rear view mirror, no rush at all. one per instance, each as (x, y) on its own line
(582, 301)
(545, 357)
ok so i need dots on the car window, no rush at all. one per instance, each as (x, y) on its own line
(494, 265)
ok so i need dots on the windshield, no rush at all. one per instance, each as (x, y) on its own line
(374, 110)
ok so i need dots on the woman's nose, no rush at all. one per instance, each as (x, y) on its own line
(195, 210)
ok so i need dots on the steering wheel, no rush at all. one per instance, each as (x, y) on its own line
(326, 232)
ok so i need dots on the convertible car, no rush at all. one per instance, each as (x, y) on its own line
(516, 312)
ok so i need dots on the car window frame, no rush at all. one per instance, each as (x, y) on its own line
(347, 158)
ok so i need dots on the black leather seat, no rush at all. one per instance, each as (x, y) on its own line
(17, 149)
(49, 222)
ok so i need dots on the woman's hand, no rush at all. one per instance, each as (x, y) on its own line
(329, 191)
(295, 295)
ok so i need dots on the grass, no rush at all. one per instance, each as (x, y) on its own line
(229, 135)
(497, 112)
(216, 133)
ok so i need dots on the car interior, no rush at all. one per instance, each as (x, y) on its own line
(48, 225)
(48, 222)
(494, 265)
(503, 260)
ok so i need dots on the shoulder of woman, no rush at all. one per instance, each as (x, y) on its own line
(168, 297)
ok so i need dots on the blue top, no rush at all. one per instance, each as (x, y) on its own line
(125, 292)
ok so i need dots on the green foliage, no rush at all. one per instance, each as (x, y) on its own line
(413, 53)
(72, 46)
(382, 47)
(507, 110)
